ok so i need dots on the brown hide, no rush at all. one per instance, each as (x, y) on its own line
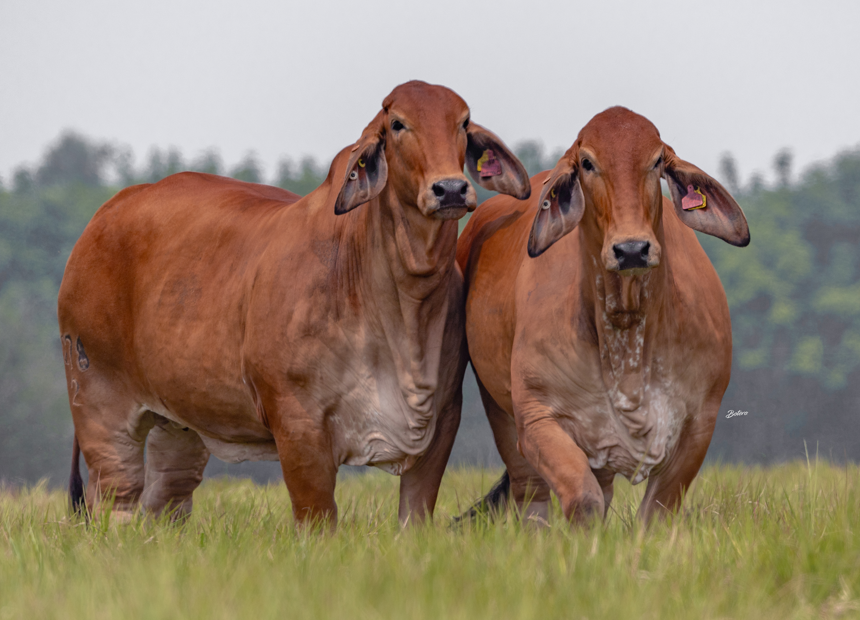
(239, 319)
(597, 326)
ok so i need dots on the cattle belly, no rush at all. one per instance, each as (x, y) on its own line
(230, 452)
(629, 443)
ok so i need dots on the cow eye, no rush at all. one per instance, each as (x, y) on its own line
(396, 125)
(466, 124)
(659, 163)
(586, 163)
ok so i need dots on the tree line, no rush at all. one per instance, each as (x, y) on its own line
(794, 295)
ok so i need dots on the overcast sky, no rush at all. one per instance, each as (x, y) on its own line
(289, 78)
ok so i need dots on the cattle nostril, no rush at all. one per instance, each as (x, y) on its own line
(632, 254)
(451, 192)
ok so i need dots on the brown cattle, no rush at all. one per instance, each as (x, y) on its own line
(609, 352)
(204, 315)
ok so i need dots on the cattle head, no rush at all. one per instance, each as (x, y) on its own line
(609, 183)
(418, 145)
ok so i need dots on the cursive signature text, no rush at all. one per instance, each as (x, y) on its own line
(732, 413)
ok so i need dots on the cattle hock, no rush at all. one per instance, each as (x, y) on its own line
(212, 316)
(597, 327)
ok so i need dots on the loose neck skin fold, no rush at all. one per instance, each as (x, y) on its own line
(397, 263)
(627, 311)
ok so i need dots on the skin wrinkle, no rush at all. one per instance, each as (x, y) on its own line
(641, 400)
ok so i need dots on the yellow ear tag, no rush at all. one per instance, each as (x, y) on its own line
(488, 165)
(552, 193)
(694, 199)
(483, 160)
(361, 163)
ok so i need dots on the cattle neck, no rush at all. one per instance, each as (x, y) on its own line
(405, 262)
(424, 249)
(627, 310)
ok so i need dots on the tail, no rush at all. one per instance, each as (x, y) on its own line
(76, 483)
(493, 502)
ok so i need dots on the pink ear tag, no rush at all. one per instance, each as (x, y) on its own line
(694, 199)
(488, 165)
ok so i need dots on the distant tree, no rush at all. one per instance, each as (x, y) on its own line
(303, 180)
(530, 153)
(22, 180)
(175, 163)
(533, 156)
(795, 292)
(756, 183)
(209, 162)
(782, 165)
(249, 169)
(847, 167)
(162, 164)
(124, 166)
(74, 159)
(729, 173)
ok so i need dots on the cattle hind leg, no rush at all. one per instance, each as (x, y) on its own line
(110, 430)
(175, 460)
(76, 483)
(605, 478)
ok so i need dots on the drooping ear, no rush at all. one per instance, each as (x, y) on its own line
(560, 206)
(493, 166)
(359, 174)
(702, 203)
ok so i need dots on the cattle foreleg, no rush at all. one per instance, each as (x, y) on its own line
(559, 461)
(528, 489)
(309, 468)
(667, 487)
(419, 486)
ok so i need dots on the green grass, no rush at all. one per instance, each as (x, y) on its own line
(778, 542)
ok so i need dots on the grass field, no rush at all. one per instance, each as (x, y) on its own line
(779, 542)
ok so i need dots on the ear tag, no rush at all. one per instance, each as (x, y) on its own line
(488, 165)
(694, 199)
(361, 162)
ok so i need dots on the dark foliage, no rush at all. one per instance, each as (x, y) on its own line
(794, 295)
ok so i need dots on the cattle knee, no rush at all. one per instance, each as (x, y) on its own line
(582, 500)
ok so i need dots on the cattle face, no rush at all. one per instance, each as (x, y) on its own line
(609, 183)
(418, 144)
